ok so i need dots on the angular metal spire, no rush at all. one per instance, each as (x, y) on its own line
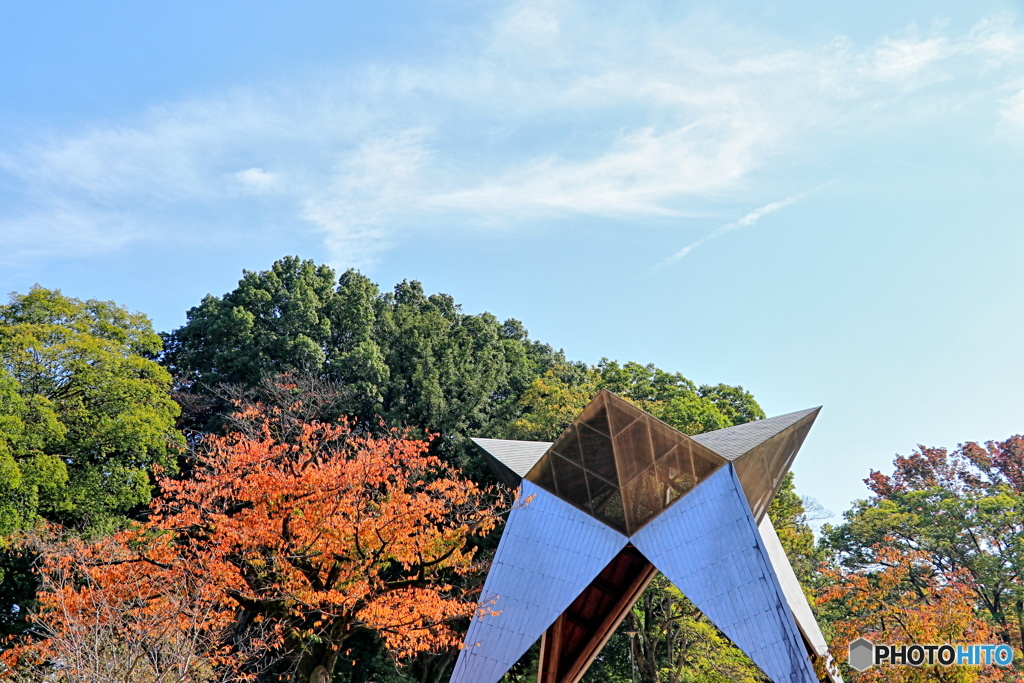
(771, 446)
(732, 442)
(690, 507)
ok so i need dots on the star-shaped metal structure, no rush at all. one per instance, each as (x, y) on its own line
(618, 497)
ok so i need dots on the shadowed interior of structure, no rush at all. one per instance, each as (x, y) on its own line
(577, 636)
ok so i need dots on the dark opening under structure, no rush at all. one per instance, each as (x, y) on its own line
(618, 497)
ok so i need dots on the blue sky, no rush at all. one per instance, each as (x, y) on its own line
(820, 203)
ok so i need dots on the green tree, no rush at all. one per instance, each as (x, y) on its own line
(85, 416)
(85, 411)
(408, 358)
(275, 321)
(675, 643)
(390, 359)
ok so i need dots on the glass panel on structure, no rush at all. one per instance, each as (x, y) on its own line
(613, 513)
(596, 417)
(641, 499)
(598, 456)
(629, 477)
(704, 461)
(600, 491)
(633, 450)
(752, 472)
(541, 474)
(570, 481)
(675, 470)
(568, 445)
(783, 446)
(663, 437)
(621, 414)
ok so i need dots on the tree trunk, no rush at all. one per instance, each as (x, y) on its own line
(432, 668)
(316, 664)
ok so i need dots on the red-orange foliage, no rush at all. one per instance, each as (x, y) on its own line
(294, 546)
(105, 614)
(904, 602)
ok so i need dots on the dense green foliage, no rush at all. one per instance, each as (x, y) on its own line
(85, 416)
(85, 411)
(409, 358)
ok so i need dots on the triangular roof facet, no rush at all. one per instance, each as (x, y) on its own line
(510, 460)
(732, 442)
(710, 548)
(530, 582)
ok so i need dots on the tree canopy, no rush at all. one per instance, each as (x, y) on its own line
(960, 512)
(408, 358)
(303, 527)
(85, 411)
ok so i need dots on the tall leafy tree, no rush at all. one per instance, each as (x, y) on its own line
(409, 358)
(85, 411)
(85, 416)
(902, 600)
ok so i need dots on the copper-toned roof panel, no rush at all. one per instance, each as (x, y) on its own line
(622, 465)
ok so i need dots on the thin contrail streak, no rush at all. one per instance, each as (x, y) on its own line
(744, 222)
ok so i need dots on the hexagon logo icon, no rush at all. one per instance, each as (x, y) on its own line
(862, 654)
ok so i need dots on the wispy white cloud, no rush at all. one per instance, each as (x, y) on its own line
(258, 180)
(642, 175)
(903, 59)
(63, 228)
(1012, 112)
(555, 108)
(372, 187)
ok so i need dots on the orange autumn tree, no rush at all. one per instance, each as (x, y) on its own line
(903, 601)
(122, 609)
(295, 543)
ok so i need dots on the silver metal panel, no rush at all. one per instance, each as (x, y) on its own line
(795, 597)
(733, 442)
(708, 545)
(549, 552)
(518, 456)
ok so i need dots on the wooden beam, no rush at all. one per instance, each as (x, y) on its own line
(574, 672)
(554, 668)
